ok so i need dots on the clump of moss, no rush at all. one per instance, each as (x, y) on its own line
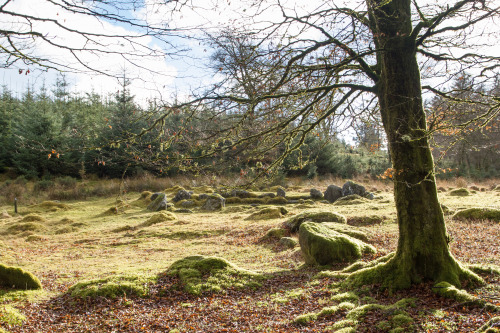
(10, 316)
(24, 227)
(277, 201)
(294, 223)
(35, 238)
(448, 290)
(174, 189)
(199, 274)
(112, 287)
(145, 195)
(347, 296)
(65, 230)
(203, 189)
(17, 278)
(485, 269)
(268, 213)
(53, 205)
(32, 218)
(478, 214)
(489, 326)
(160, 217)
(460, 192)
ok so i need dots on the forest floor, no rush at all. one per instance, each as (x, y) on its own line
(83, 240)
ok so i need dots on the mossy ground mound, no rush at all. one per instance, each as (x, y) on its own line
(321, 245)
(18, 228)
(478, 214)
(174, 189)
(112, 287)
(32, 218)
(294, 223)
(159, 218)
(10, 316)
(459, 192)
(365, 220)
(268, 213)
(198, 274)
(17, 278)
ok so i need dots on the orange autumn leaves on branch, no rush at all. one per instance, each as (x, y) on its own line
(53, 153)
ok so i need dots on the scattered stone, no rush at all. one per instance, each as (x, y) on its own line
(214, 202)
(159, 203)
(267, 195)
(275, 233)
(447, 210)
(188, 204)
(321, 245)
(288, 242)
(351, 188)
(332, 193)
(460, 192)
(294, 223)
(474, 187)
(280, 192)
(316, 194)
(182, 195)
(203, 196)
(241, 194)
(352, 199)
(154, 195)
(492, 214)
(369, 196)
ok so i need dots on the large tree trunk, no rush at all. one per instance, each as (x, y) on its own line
(422, 252)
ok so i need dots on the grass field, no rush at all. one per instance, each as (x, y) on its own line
(118, 242)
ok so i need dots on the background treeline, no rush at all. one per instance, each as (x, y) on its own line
(54, 133)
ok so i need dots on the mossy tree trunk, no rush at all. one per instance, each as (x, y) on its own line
(422, 251)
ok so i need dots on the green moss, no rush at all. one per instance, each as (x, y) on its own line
(305, 319)
(27, 226)
(276, 233)
(198, 274)
(294, 223)
(35, 238)
(401, 320)
(347, 296)
(160, 217)
(347, 230)
(112, 287)
(277, 201)
(17, 278)
(448, 290)
(268, 213)
(53, 205)
(174, 189)
(346, 323)
(488, 327)
(32, 218)
(233, 200)
(460, 192)
(322, 246)
(384, 325)
(478, 214)
(346, 330)
(485, 269)
(10, 316)
(145, 195)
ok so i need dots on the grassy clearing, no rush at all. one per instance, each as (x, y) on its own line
(124, 253)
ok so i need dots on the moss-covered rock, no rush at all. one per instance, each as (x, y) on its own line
(214, 202)
(275, 233)
(288, 242)
(321, 245)
(294, 223)
(112, 287)
(17, 278)
(199, 273)
(268, 213)
(459, 192)
(159, 218)
(348, 230)
(352, 199)
(159, 203)
(478, 214)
